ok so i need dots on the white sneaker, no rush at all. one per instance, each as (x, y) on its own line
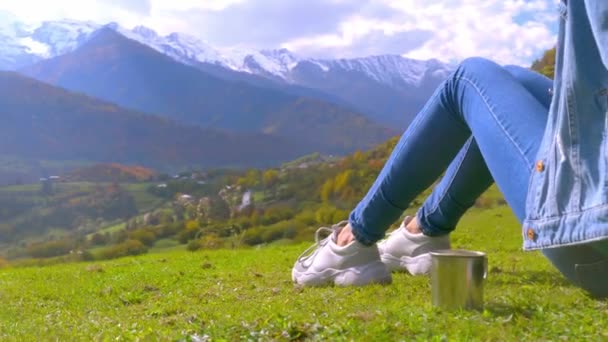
(404, 251)
(353, 264)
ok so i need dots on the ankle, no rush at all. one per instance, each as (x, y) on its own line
(413, 227)
(345, 236)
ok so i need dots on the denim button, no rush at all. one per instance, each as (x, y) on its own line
(550, 91)
(531, 234)
(540, 166)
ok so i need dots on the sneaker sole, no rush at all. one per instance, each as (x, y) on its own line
(372, 273)
(418, 265)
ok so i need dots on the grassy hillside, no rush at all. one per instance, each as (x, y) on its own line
(201, 210)
(247, 294)
(34, 212)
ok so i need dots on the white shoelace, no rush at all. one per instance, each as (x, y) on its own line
(320, 242)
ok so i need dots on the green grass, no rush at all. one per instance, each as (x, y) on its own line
(164, 245)
(248, 295)
(144, 201)
(258, 196)
(109, 229)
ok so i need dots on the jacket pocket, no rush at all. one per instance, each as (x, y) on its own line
(594, 278)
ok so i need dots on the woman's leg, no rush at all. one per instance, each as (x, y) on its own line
(585, 265)
(468, 174)
(507, 121)
(467, 178)
(481, 99)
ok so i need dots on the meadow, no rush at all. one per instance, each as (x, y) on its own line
(247, 294)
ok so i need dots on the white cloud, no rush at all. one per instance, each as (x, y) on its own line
(36, 11)
(459, 29)
(489, 30)
(161, 6)
(514, 31)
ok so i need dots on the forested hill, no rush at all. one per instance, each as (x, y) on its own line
(46, 122)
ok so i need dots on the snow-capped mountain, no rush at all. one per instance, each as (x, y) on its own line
(21, 44)
(181, 47)
(52, 38)
(382, 87)
(268, 63)
(388, 69)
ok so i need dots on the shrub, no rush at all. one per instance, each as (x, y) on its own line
(277, 231)
(50, 248)
(224, 229)
(272, 233)
(145, 235)
(129, 247)
(252, 236)
(187, 234)
(210, 241)
(340, 215)
(243, 222)
(193, 245)
(167, 230)
(330, 215)
(99, 239)
(277, 213)
(119, 236)
(305, 235)
(306, 218)
(87, 256)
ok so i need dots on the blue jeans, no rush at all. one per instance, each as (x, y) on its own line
(483, 124)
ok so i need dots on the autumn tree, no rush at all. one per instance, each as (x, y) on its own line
(271, 177)
(327, 190)
(546, 64)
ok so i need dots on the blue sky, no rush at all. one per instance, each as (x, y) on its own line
(511, 31)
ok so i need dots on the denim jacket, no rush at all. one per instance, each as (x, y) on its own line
(567, 199)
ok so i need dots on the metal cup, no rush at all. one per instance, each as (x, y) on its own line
(457, 278)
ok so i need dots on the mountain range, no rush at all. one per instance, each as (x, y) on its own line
(388, 89)
(108, 91)
(114, 68)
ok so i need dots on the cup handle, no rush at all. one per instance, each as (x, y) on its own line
(485, 268)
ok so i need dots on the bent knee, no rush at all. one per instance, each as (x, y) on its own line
(478, 64)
